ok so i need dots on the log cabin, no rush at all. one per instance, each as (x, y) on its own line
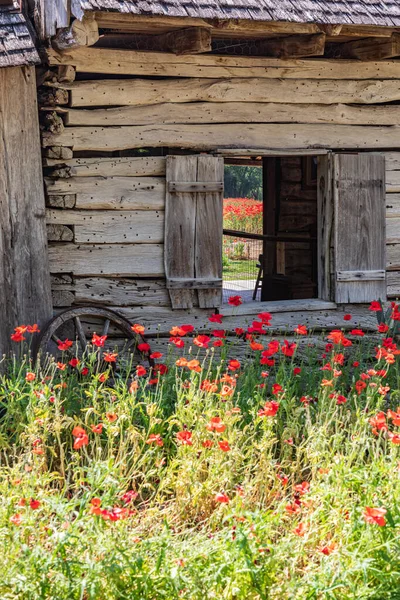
(142, 107)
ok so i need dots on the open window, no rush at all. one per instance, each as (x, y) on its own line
(314, 229)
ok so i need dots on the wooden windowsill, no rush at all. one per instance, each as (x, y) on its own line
(281, 306)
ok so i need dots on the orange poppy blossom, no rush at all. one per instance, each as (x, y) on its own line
(270, 409)
(375, 516)
(81, 438)
(216, 425)
(155, 438)
(137, 328)
(64, 345)
(111, 417)
(184, 438)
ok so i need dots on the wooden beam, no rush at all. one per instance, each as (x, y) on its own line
(233, 112)
(151, 166)
(131, 62)
(50, 16)
(126, 260)
(369, 48)
(293, 46)
(80, 33)
(231, 27)
(140, 92)
(215, 137)
(191, 40)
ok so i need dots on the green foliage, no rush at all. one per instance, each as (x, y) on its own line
(243, 182)
(170, 537)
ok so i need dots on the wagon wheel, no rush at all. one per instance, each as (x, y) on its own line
(78, 325)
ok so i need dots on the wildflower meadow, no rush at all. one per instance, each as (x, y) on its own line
(259, 468)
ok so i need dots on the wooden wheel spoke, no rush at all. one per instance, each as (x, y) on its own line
(81, 333)
(56, 339)
(106, 327)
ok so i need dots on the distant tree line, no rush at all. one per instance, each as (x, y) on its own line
(243, 182)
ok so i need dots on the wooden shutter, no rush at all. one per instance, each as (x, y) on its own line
(193, 230)
(359, 222)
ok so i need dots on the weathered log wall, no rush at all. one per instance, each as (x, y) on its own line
(106, 200)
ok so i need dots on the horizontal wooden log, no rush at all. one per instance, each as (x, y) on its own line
(235, 112)
(139, 92)
(62, 298)
(59, 233)
(393, 257)
(131, 62)
(202, 137)
(370, 48)
(61, 201)
(392, 181)
(392, 205)
(393, 230)
(163, 319)
(189, 40)
(121, 292)
(124, 193)
(151, 166)
(130, 260)
(111, 227)
(392, 161)
(292, 46)
(360, 275)
(393, 284)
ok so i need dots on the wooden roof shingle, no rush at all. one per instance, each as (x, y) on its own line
(335, 12)
(17, 47)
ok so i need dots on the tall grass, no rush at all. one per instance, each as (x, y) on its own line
(193, 484)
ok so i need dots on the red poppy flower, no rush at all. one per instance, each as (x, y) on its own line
(265, 317)
(110, 357)
(207, 444)
(140, 371)
(187, 328)
(301, 330)
(296, 371)
(129, 496)
(139, 329)
(383, 328)
(375, 306)
(16, 519)
(358, 332)
(30, 376)
(233, 365)
(395, 416)
(33, 328)
(74, 362)
(17, 337)
(217, 318)
(216, 424)
(224, 445)
(97, 428)
(375, 516)
(300, 530)
(98, 340)
(222, 498)
(341, 399)
(270, 409)
(155, 438)
(347, 318)
(156, 355)
(185, 437)
(302, 488)
(293, 509)
(276, 389)
(360, 386)
(144, 347)
(378, 422)
(85, 371)
(81, 437)
(328, 548)
(34, 504)
(202, 341)
(64, 345)
(61, 366)
(235, 300)
(267, 361)
(288, 349)
(256, 346)
(177, 341)
(111, 417)
(219, 333)
(194, 365)
(239, 330)
(394, 438)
